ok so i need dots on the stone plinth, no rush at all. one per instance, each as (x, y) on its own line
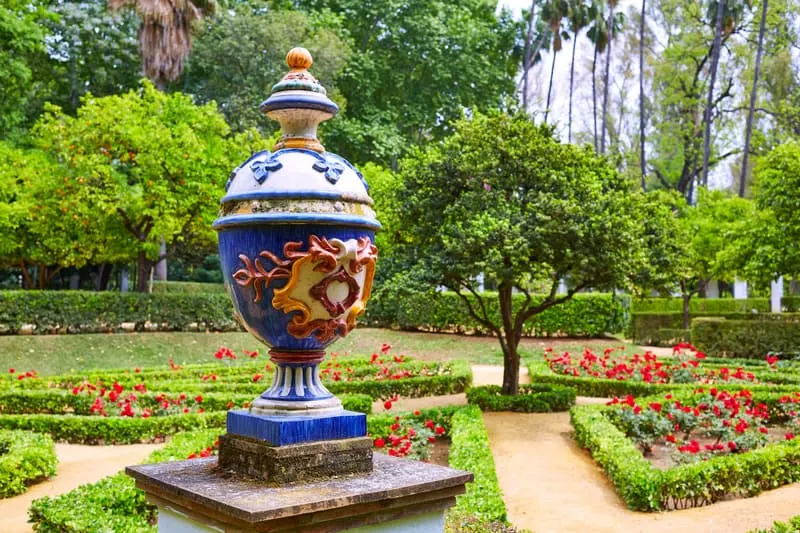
(299, 462)
(399, 495)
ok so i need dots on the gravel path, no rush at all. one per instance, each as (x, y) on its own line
(77, 465)
(552, 486)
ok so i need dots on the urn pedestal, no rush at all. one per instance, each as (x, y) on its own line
(296, 232)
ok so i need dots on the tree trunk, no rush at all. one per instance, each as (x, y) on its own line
(550, 86)
(571, 82)
(642, 160)
(715, 53)
(161, 265)
(594, 97)
(510, 341)
(749, 127)
(143, 265)
(607, 79)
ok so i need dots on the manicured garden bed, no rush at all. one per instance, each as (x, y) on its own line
(531, 398)
(25, 458)
(719, 439)
(114, 503)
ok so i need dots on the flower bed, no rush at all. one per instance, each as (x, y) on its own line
(719, 439)
(115, 504)
(531, 398)
(614, 374)
(25, 458)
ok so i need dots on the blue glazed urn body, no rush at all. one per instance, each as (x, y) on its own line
(296, 233)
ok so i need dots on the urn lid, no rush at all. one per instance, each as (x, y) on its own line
(298, 181)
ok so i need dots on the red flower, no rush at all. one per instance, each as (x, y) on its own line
(763, 430)
(429, 424)
(671, 438)
(387, 404)
(75, 391)
(789, 436)
(11, 370)
(139, 387)
(731, 445)
(395, 426)
(439, 430)
(185, 410)
(137, 370)
(198, 399)
(431, 439)
(230, 404)
(379, 443)
(417, 412)
(257, 377)
(655, 406)
(252, 354)
(637, 410)
(385, 348)
(219, 354)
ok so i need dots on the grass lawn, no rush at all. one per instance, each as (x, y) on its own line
(57, 354)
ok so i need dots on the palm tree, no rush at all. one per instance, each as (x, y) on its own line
(577, 21)
(642, 160)
(527, 53)
(165, 33)
(715, 53)
(598, 35)
(554, 12)
(749, 128)
(611, 5)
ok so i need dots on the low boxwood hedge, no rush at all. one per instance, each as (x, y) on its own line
(644, 487)
(701, 305)
(25, 458)
(779, 332)
(792, 526)
(115, 504)
(535, 398)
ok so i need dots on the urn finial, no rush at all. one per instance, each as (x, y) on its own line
(299, 102)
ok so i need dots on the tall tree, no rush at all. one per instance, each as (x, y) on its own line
(527, 61)
(716, 48)
(606, 79)
(753, 93)
(598, 35)
(553, 13)
(577, 22)
(165, 33)
(502, 196)
(642, 160)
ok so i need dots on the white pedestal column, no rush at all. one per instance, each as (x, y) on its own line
(740, 289)
(776, 288)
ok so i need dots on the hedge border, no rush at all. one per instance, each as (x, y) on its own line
(606, 388)
(643, 487)
(86, 509)
(790, 526)
(28, 458)
(535, 398)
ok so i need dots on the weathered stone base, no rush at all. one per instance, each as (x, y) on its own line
(398, 496)
(299, 462)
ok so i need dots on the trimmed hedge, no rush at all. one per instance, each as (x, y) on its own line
(748, 338)
(644, 487)
(115, 504)
(531, 398)
(585, 315)
(713, 306)
(26, 458)
(191, 287)
(792, 526)
(666, 329)
(785, 381)
(92, 312)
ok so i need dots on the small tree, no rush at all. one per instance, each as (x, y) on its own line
(503, 198)
(153, 164)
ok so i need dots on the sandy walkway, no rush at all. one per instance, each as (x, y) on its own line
(552, 486)
(77, 465)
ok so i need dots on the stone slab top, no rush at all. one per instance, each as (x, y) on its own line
(202, 483)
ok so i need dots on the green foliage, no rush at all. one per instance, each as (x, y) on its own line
(469, 450)
(22, 41)
(191, 287)
(240, 53)
(585, 315)
(25, 458)
(702, 306)
(644, 487)
(78, 311)
(792, 526)
(408, 81)
(748, 338)
(531, 398)
(150, 165)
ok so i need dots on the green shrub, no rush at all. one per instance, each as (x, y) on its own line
(531, 398)
(792, 526)
(712, 306)
(791, 304)
(25, 458)
(644, 487)
(192, 287)
(89, 312)
(747, 338)
(585, 315)
(666, 329)
(115, 504)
